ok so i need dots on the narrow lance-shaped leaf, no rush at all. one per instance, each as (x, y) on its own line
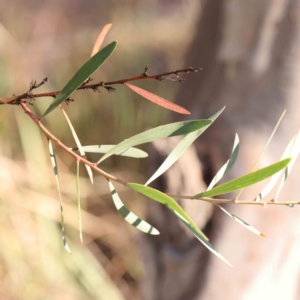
(160, 132)
(100, 39)
(78, 202)
(245, 180)
(130, 152)
(81, 75)
(158, 100)
(240, 221)
(129, 216)
(178, 211)
(226, 167)
(265, 147)
(166, 200)
(294, 154)
(287, 153)
(181, 148)
(207, 244)
(76, 139)
(54, 165)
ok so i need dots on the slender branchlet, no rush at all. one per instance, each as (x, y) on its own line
(95, 87)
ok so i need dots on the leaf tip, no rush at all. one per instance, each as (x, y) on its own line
(155, 231)
(66, 246)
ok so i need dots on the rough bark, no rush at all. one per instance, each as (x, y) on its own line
(249, 52)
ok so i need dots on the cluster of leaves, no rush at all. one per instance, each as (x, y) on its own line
(191, 131)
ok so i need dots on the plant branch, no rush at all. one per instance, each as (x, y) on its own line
(162, 76)
(68, 150)
(234, 201)
(119, 180)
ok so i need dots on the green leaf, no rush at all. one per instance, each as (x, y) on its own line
(181, 148)
(226, 167)
(78, 202)
(81, 75)
(129, 216)
(166, 200)
(271, 184)
(234, 154)
(178, 211)
(156, 133)
(130, 152)
(245, 180)
(54, 165)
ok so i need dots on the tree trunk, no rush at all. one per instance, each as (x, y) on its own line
(249, 52)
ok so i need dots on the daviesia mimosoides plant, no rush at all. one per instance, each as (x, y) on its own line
(191, 130)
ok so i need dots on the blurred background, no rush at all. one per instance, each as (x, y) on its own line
(249, 53)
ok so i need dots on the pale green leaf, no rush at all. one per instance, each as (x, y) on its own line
(81, 75)
(173, 129)
(226, 167)
(181, 148)
(287, 153)
(240, 221)
(294, 154)
(245, 180)
(130, 152)
(54, 165)
(77, 141)
(129, 216)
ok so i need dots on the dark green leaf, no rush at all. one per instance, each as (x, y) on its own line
(81, 75)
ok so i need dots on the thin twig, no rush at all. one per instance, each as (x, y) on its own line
(64, 147)
(17, 99)
(233, 201)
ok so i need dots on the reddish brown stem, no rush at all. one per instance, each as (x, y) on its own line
(17, 99)
(64, 147)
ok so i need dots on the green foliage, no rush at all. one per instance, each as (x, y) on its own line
(246, 180)
(157, 133)
(81, 75)
(167, 201)
(181, 148)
